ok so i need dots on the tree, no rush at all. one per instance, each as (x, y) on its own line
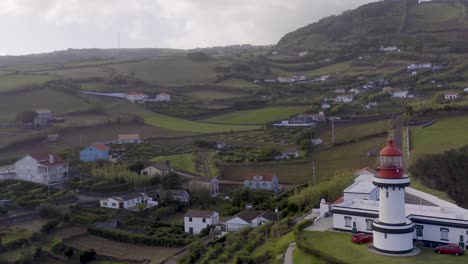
(26, 116)
(173, 181)
(87, 256)
(268, 153)
(200, 196)
(136, 167)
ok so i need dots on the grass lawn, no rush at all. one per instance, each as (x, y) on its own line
(300, 257)
(208, 95)
(275, 246)
(447, 133)
(82, 73)
(180, 162)
(12, 82)
(339, 246)
(344, 132)
(257, 116)
(15, 234)
(240, 84)
(433, 16)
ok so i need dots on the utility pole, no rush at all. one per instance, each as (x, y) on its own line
(313, 172)
(333, 131)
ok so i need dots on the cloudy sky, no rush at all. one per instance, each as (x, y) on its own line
(34, 26)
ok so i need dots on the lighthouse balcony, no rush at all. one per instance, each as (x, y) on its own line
(391, 182)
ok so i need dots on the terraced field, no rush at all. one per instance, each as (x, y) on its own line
(12, 82)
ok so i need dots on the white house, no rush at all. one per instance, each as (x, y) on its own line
(451, 95)
(285, 80)
(364, 190)
(136, 97)
(326, 106)
(249, 218)
(163, 97)
(290, 153)
(127, 201)
(344, 98)
(303, 53)
(338, 91)
(400, 94)
(196, 220)
(210, 184)
(317, 141)
(389, 48)
(129, 139)
(354, 91)
(262, 181)
(413, 67)
(42, 167)
(465, 90)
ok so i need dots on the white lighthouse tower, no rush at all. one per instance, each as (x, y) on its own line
(393, 233)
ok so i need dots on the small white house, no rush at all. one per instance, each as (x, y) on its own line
(338, 91)
(262, 181)
(285, 80)
(196, 220)
(465, 90)
(389, 48)
(303, 53)
(400, 94)
(163, 97)
(249, 218)
(451, 95)
(291, 153)
(326, 106)
(129, 139)
(43, 168)
(317, 141)
(127, 201)
(136, 97)
(344, 98)
(364, 190)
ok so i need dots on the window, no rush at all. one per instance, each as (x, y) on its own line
(444, 234)
(104, 203)
(114, 204)
(387, 194)
(369, 224)
(419, 230)
(385, 235)
(190, 219)
(347, 221)
(204, 220)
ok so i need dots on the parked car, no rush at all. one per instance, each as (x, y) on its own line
(361, 238)
(452, 249)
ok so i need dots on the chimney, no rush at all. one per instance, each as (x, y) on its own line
(51, 158)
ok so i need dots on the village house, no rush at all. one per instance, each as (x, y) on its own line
(326, 106)
(370, 105)
(136, 97)
(400, 94)
(220, 145)
(161, 169)
(196, 220)
(127, 201)
(129, 139)
(413, 67)
(53, 137)
(211, 184)
(179, 195)
(339, 91)
(300, 77)
(44, 116)
(43, 168)
(368, 86)
(303, 53)
(95, 152)
(288, 153)
(389, 48)
(307, 118)
(344, 98)
(249, 218)
(163, 97)
(317, 141)
(285, 80)
(451, 95)
(465, 90)
(262, 181)
(355, 91)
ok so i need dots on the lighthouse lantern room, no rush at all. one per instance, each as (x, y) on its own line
(393, 233)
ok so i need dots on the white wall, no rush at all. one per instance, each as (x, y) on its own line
(361, 224)
(392, 209)
(27, 170)
(433, 233)
(197, 223)
(109, 203)
(393, 242)
(236, 224)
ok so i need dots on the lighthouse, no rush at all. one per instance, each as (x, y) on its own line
(393, 233)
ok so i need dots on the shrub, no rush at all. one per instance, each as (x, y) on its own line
(304, 223)
(57, 246)
(69, 252)
(87, 256)
(60, 212)
(49, 226)
(205, 231)
(3, 210)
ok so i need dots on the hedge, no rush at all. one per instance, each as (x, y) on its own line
(304, 223)
(139, 239)
(319, 254)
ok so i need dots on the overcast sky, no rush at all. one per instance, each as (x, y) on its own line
(34, 26)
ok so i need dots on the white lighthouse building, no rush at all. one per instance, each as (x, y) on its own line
(393, 232)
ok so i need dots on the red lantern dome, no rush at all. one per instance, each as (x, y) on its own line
(391, 162)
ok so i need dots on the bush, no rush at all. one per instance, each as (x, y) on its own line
(3, 210)
(60, 212)
(49, 226)
(57, 246)
(69, 252)
(205, 231)
(303, 224)
(87, 256)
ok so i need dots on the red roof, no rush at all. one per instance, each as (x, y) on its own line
(101, 147)
(43, 158)
(339, 200)
(265, 176)
(390, 150)
(163, 93)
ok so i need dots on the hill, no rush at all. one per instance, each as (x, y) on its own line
(405, 23)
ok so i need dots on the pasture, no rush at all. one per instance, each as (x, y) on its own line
(433, 16)
(257, 116)
(82, 73)
(447, 133)
(350, 131)
(16, 81)
(183, 162)
(213, 94)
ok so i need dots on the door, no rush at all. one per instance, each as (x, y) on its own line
(191, 230)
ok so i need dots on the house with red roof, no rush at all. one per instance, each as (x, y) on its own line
(43, 168)
(262, 181)
(163, 97)
(95, 152)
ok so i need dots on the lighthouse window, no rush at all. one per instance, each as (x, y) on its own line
(387, 194)
(444, 234)
(385, 235)
(419, 230)
(347, 220)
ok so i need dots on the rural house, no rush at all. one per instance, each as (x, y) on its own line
(465, 90)
(129, 139)
(262, 181)
(451, 95)
(211, 184)
(44, 116)
(157, 169)
(53, 137)
(42, 167)
(95, 152)
(344, 98)
(163, 97)
(136, 97)
(179, 195)
(196, 220)
(127, 201)
(400, 94)
(339, 91)
(389, 48)
(249, 218)
(289, 153)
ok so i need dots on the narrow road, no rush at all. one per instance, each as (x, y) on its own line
(289, 256)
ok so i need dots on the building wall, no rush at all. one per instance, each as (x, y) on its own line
(197, 223)
(150, 171)
(393, 242)
(27, 170)
(236, 224)
(391, 205)
(433, 233)
(339, 223)
(92, 154)
(109, 203)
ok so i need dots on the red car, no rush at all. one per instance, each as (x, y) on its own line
(361, 238)
(452, 249)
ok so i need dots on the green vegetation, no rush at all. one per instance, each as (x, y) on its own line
(338, 247)
(82, 73)
(13, 82)
(257, 116)
(183, 162)
(353, 130)
(300, 257)
(120, 174)
(14, 234)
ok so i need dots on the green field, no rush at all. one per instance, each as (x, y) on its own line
(352, 131)
(257, 116)
(447, 133)
(209, 95)
(12, 82)
(433, 16)
(173, 70)
(339, 246)
(300, 257)
(10, 235)
(82, 73)
(180, 162)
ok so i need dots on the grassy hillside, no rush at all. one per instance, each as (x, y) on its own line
(183, 162)
(15, 81)
(258, 116)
